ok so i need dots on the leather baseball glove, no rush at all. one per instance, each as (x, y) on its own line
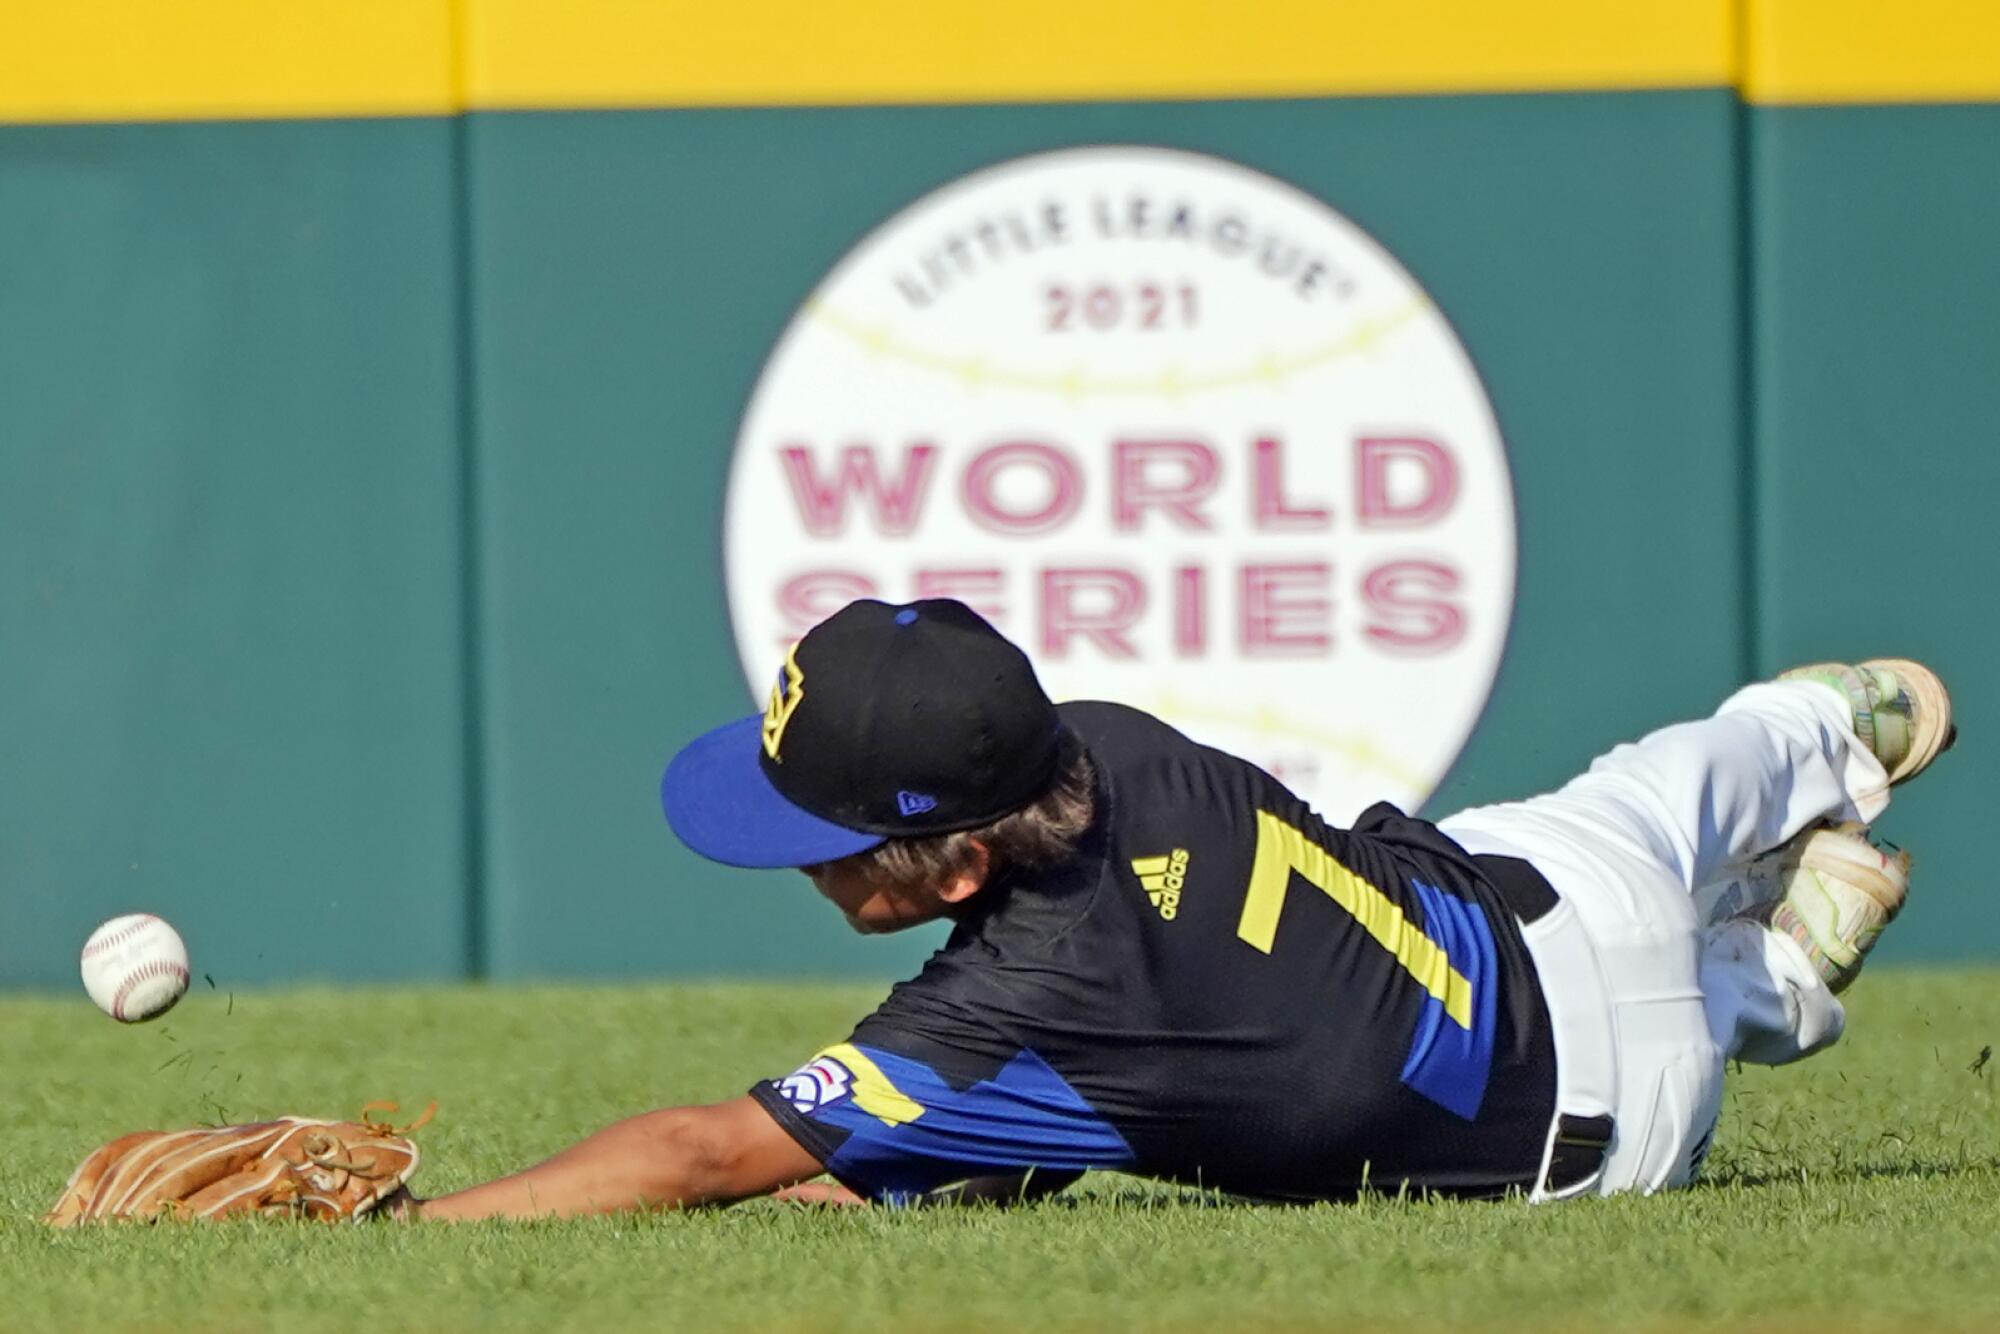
(295, 1166)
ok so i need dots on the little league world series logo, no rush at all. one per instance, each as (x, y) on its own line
(1185, 433)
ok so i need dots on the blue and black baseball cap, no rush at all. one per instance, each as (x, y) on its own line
(885, 722)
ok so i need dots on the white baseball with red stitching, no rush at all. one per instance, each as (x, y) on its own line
(135, 967)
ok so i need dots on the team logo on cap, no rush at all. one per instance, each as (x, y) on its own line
(786, 696)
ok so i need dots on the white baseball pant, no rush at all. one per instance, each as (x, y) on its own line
(1647, 1000)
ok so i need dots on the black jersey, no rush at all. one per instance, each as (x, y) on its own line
(1217, 988)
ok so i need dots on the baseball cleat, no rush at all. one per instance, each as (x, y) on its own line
(1831, 890)
(1901, 709)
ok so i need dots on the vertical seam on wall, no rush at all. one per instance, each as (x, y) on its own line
(1752, 648)
(471, 621)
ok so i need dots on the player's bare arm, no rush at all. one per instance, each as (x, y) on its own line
(674, 1158)
(681, 1157)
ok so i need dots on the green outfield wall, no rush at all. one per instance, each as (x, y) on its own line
(366, 419)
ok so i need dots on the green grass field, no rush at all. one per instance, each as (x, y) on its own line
(1860, 1190)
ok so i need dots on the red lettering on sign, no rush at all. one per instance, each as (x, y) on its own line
(1059, 471)
(1286, 610)
(1425, 464)
(1402, 617)
(1138, 484)
(894, 504)
(1099, 605)
(1190, 611)
(1273, 512)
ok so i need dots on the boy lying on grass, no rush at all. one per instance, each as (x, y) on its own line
(1164, 963)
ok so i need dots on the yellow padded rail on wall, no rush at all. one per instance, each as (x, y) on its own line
(84, 60)
(219, 59)
(535, 53)
(1828, 51)
(266, 59)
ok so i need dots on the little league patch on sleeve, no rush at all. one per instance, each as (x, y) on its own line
(821, 1082)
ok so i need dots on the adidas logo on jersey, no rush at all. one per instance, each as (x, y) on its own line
(1162, 879)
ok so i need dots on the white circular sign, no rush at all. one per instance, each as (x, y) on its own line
(1186, 434)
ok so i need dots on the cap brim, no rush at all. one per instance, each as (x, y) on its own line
(720, 803)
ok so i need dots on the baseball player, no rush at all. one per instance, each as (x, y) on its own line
(1163, 962)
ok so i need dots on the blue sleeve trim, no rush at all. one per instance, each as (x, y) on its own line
(1448, 1063)
(892, 1128)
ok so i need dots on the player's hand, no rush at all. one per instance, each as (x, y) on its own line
(819, 1192)
(401, 1207)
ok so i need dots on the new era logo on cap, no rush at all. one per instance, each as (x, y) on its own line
(914, 803)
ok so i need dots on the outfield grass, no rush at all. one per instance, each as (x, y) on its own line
(1858, 1191)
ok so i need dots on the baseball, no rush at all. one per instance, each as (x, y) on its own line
(135, 967)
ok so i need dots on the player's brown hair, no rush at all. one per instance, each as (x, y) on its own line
(1039, 834)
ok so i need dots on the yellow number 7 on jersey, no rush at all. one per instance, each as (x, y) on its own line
(1281, 850)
